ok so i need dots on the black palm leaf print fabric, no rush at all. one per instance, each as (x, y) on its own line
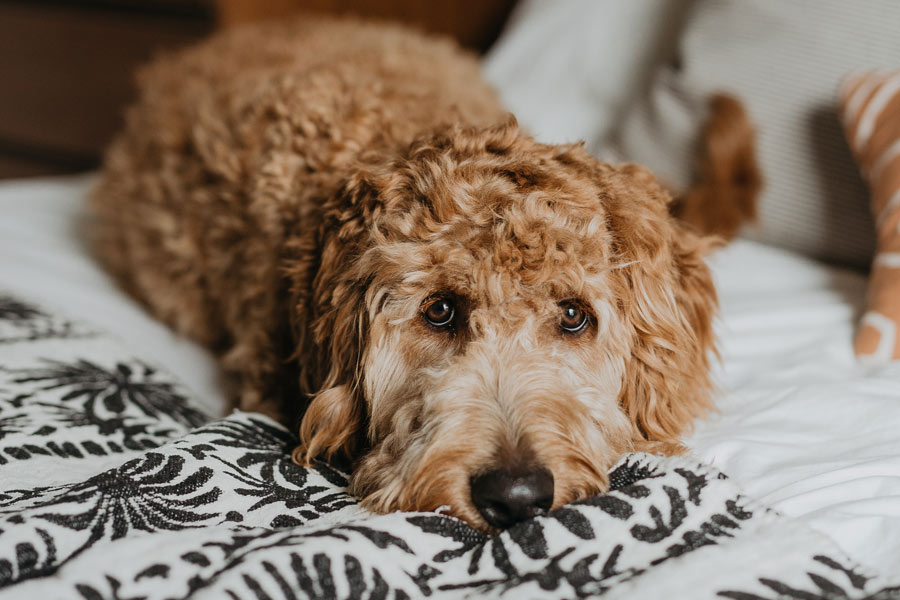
(114, 485)
(22, 322)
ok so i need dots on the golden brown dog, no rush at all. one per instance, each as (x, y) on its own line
(474, 319)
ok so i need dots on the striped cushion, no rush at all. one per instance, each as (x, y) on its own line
(870, 109)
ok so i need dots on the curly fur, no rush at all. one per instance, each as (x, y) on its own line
(291, 194)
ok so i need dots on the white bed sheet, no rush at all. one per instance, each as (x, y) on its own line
(801, 426)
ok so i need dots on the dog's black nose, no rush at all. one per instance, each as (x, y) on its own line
(505, 497)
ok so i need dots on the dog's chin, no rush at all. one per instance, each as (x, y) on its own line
(385, 485)
(446, 503)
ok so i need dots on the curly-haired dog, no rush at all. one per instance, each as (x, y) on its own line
(473, 318)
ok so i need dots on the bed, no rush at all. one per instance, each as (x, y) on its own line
(122, 475)
(801, 428)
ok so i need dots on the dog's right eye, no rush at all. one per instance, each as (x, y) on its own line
(573, 319)
(439, 312)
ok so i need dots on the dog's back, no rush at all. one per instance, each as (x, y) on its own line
(230, 148)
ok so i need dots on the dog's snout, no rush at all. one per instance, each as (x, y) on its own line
(505, 497)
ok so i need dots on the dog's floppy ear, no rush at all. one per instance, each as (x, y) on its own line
(330, 425)
(669, 300)
(328, 291)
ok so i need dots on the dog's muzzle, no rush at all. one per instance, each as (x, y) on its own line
(504, 497)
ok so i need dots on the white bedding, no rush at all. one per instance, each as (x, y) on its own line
(801, 426)
(44, 255)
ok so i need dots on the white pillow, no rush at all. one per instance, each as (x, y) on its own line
(566, 69)
(783, 60)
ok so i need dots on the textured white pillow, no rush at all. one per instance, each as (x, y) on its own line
(567, 69)
(783, 60)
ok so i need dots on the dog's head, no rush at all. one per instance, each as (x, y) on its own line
(495, 321)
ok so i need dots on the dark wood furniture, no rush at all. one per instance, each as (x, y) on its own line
(66, 65)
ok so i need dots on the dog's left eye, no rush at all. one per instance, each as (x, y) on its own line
(439, 312)
(573, 318)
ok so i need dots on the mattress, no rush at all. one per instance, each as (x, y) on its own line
(800, 425)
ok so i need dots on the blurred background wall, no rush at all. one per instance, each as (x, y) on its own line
(66, 65)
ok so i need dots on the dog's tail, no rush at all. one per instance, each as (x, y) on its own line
(727, 180)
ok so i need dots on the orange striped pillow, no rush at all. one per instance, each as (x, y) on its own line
(870, 110)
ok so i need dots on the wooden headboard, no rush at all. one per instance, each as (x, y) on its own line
(475, 23)
(66, 65)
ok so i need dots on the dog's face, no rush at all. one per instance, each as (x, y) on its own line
(498, 321)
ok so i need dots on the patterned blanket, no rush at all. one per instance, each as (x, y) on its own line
(114, 485)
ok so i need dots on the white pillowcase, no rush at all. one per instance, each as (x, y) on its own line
(783, 60)
(567, 69)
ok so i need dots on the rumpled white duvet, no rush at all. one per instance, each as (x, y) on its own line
(801, 426)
